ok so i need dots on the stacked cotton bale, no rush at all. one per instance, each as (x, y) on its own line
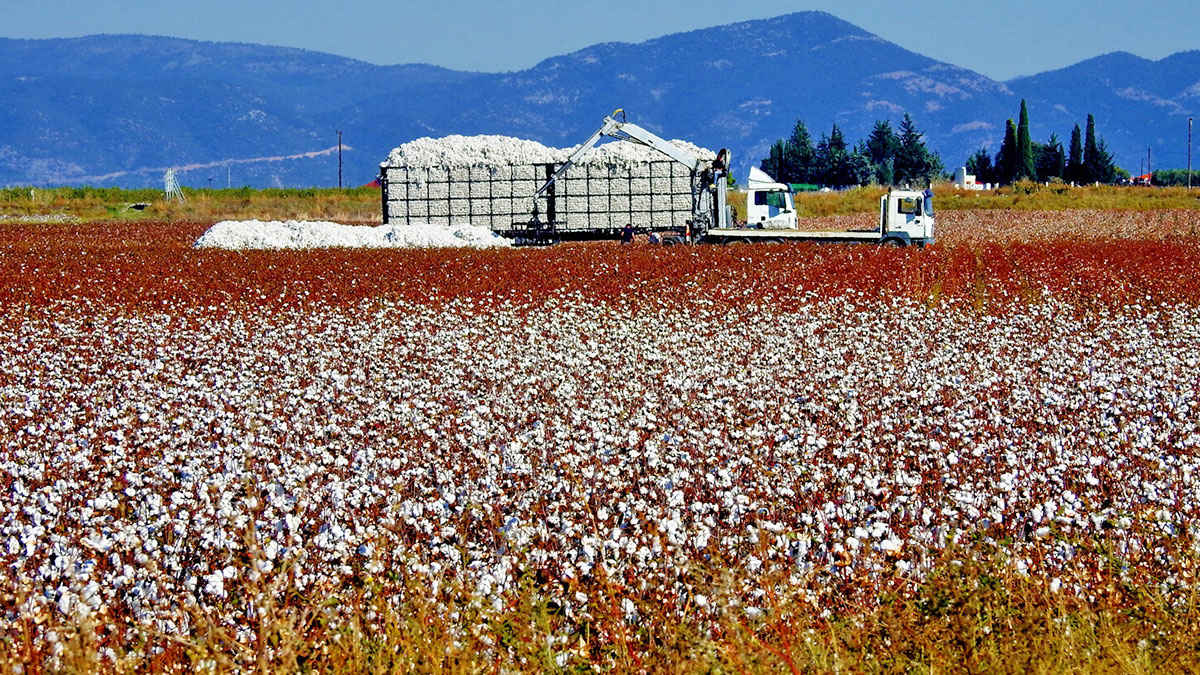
(491, 180)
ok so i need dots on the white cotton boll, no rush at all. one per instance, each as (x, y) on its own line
(628, 609)
(214, 584)
(65, 602)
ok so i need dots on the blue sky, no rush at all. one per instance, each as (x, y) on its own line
(1001, 40)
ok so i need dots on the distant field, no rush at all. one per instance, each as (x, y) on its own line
(361, 205)
(351, 205)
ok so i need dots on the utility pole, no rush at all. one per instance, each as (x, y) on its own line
(1189, 154)
(339, 160)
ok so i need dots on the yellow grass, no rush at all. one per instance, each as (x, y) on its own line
(362, 205)
(972, 613)
(1023, 196)
(351, 205)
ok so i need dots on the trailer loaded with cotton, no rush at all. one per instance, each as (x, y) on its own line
(674, 189)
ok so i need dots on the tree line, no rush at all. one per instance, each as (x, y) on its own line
(1020, 158)
(884, 157)
(1174, 177)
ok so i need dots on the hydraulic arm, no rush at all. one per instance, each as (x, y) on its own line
(708, 178)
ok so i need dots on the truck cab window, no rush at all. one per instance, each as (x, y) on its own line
(909, 206)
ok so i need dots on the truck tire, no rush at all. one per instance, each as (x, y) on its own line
(892, 242)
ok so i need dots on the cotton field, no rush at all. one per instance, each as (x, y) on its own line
(179, 422)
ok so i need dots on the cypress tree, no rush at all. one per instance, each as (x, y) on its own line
(1025, 161)
(1006, 159)
(1075, 157)
(1091, 153)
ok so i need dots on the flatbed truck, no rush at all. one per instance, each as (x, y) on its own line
(906, 217)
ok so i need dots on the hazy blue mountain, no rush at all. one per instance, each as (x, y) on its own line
(1138, 103)
(115, 109)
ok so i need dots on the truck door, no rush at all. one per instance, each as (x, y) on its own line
(771, 210)
(909, 214)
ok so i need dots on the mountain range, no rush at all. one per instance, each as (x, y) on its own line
(120, 109)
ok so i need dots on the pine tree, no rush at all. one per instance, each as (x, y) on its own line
(1026, 167)
(773, 165)
(798, 156)
(832, 158)
(1074, 171)
(914, 162)
(1103, 166)
(881, 148)
(980, 165)
(1006, 159)
(837, 141)
(1051, 160)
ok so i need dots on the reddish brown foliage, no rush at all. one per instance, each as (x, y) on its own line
(153, 266)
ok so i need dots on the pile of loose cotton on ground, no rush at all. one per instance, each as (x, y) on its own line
(294, 234)
(506, 150)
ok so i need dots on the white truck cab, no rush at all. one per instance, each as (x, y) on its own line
(905, 218)
(769, 205)
(907, 213)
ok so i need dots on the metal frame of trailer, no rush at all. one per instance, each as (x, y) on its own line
(667, 201)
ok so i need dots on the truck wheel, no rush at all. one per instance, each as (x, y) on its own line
(893, 243)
